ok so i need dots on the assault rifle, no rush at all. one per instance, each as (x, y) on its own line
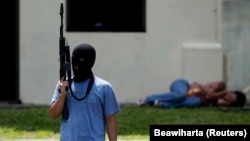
(64, 52)
(65, 63)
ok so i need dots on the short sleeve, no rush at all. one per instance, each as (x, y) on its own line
(111, 105)
(56, 94)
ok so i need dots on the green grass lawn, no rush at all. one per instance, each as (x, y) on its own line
(133, 121)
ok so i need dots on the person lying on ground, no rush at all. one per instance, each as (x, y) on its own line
(185, 94)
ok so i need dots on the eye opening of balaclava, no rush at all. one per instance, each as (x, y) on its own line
(83, 59)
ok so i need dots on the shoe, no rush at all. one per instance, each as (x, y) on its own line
(141, 102)
(157, 103)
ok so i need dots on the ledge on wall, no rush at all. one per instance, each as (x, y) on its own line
(202, 62)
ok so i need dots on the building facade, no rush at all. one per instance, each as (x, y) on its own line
(201, 40)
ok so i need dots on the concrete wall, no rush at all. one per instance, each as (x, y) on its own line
(235, 42)
(137, 64)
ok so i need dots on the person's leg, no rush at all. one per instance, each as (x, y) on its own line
(178, 92)
(192, 101)
(149, 100)
(180, 85)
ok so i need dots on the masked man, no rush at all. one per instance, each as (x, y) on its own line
(89, 101)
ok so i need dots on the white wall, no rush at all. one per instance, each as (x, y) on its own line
(137, 64)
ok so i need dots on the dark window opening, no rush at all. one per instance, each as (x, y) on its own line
(11, 61)
(106, 15)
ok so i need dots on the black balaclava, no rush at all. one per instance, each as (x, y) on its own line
(83, 59)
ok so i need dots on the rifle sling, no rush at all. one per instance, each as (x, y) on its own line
(65, 113)
(91, 82)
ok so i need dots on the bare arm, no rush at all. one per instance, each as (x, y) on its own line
(56, 108)
(215, 95)
(111, 127)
